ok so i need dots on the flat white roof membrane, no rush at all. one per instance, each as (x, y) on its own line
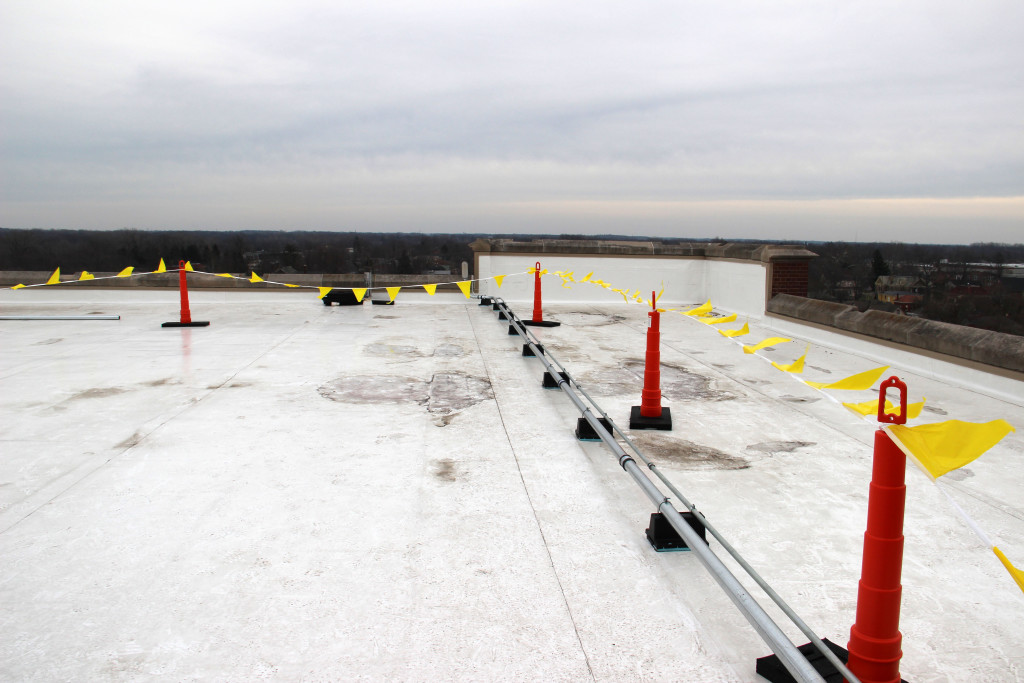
(387, 492)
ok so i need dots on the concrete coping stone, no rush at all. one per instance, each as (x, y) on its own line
(997, 349)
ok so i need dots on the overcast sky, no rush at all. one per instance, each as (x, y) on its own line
(897, 121)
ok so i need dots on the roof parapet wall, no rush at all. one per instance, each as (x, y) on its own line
(764, 253)
(999, 350)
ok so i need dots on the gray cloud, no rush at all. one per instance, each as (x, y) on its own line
(315, 115)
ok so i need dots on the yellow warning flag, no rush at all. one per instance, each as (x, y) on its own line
(254, 278)
(700, 310)
(86, 275)
(736, 333)
(359, 292)
(224, 275)
(288, 285)
(189, 268)
(1017, 574)
(161, 268)
(324, 291)
(586, 278)
(392, 292)
(796, 366)
(127, 272)
(430, 289)
(465, 285)
(718, 321)
(18, 286)
(498, 279)
(770, 341)
(945, 446)
(871, 408)
(532, 270)
(55, 278)
(858, 382)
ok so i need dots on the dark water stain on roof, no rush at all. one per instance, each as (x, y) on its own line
(444, 395)
(685, 454)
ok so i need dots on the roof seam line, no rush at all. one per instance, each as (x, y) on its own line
(529, 499)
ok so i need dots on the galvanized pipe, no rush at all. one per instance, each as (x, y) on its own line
(729, 548)
(60, 317)
(746, 566)
(777, 641)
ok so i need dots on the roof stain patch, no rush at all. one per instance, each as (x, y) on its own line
(779, 446)
(687, 455)
(97, 393)
(375, 389)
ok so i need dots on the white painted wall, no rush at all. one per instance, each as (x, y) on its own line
(683, 279)
(736, 286)
(732, 286)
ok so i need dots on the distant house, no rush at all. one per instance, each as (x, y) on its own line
(890, 287)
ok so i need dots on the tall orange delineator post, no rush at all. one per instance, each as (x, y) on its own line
(650, 414)
(538, 309)
(186, 313)
(875, 636)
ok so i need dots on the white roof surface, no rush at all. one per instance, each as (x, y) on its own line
(387, 493)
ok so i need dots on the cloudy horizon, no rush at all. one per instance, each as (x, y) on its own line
(880, 121)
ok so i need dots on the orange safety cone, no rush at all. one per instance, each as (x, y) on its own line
(875, 637)
(873, 653)
(186, 313)
(538, 309)
(650, 414)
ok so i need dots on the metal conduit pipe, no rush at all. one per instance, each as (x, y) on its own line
(777, 641)
(60, 317)
(765, 586)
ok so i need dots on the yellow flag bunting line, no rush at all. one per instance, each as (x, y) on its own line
(465, 286)
(936, 448)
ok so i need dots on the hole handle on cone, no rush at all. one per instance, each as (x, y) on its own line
(889, 418)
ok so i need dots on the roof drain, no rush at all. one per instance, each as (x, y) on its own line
(797, 665)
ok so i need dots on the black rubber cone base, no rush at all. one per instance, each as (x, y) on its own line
(541, 323)
(771, 669)
(552, 383)
(664, 537)
(638, 421)
(527, 351)
(586, 432)
(194, 323)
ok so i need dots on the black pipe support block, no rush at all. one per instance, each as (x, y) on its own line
(485, 301)
(638, 421)
(552, 383)
(771, 669)
(502, 316)
(194, 323)
(585, 432)
(664, 537)
(495, 306)
(512, 330)
(541, 323)
(527, 351)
